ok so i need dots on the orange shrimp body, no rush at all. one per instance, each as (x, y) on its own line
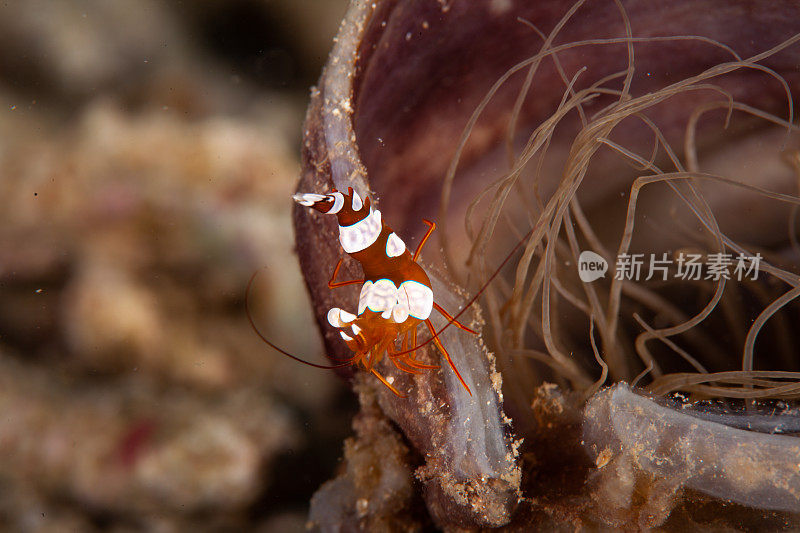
(396, 295)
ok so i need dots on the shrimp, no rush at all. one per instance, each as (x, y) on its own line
(396, 293)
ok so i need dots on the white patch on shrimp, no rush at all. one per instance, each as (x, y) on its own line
(411, 299)
(308, 199)
(379, 296)
(339, 318)
(366, 288)
(418, 298)
(400, 313)
(357, 203)
(346, 317)
(338, 203)
(362, 234)
(394, 246)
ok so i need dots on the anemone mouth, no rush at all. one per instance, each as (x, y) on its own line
(610, 131)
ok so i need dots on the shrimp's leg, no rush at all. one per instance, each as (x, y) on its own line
(383, 380)
(411, 360)
(335, 284)
(405, 366)
(446, 355)
(399, 361)
(416, 364)
(431, 227)
(403, 348)
(357, 358)
(369, 360)
(408, 357)
(451, 319)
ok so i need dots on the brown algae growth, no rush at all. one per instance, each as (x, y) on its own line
(620, 128)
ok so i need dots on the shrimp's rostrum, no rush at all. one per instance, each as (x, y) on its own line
(396, 294)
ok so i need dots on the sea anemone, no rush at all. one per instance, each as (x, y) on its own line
(663, 134)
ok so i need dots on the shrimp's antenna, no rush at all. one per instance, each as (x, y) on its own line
(276, 347)
(476, 296)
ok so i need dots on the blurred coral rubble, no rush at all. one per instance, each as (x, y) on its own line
(148, 151)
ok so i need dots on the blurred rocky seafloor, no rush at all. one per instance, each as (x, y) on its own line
(147, 152)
